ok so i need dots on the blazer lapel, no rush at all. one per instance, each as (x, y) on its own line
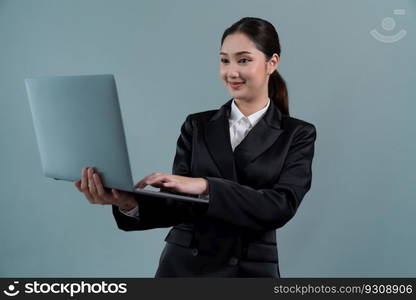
(217, 134)
(260, 138)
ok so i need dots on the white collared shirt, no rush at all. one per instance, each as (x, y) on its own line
(240, 125)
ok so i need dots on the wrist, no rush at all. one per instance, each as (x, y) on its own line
(206, 184)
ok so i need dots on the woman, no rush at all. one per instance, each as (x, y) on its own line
(249, 158)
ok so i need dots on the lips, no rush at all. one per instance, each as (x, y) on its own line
(236, 84)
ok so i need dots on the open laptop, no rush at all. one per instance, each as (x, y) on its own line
(78, 123)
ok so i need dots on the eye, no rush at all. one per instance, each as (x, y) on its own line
(245, 59)
(223, 60)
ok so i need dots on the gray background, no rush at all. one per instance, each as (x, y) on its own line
(357, 219)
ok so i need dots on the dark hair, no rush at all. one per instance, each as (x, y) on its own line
(263, 34)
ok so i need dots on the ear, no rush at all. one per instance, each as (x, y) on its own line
(273, 63)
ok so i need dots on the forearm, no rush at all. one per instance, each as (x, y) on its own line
(158, 213)
(256, 210)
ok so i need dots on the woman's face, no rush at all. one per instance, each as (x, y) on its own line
(242, 62)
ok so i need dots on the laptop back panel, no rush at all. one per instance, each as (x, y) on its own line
(77, 121)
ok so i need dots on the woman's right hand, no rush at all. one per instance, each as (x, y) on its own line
(90, 185)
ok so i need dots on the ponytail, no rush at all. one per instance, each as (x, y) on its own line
(278, 92)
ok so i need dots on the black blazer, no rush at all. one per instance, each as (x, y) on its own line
(252, 192)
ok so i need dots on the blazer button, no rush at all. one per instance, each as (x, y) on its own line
(194, 251)
(233, 261)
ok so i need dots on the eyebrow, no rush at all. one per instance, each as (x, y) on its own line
(237, 53)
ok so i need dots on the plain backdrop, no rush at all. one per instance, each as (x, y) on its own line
(357, 220)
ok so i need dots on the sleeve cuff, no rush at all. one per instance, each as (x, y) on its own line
(131, 213)
(204, 196)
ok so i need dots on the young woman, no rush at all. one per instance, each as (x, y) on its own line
(249, 158)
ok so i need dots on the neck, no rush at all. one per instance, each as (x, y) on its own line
(248, 107)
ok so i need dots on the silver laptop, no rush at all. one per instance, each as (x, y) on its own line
(78, 123)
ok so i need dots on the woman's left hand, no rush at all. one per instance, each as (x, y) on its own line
(181, 184)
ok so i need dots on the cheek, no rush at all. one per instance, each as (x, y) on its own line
(251, 71)
(251, 76)
(222, 74)
(257, 75)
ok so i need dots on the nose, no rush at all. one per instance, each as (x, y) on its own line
(232, 75)
(231, 72)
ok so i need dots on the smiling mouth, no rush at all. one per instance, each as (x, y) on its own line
(236, 84)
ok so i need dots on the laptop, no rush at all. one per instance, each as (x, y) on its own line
(78, 123)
